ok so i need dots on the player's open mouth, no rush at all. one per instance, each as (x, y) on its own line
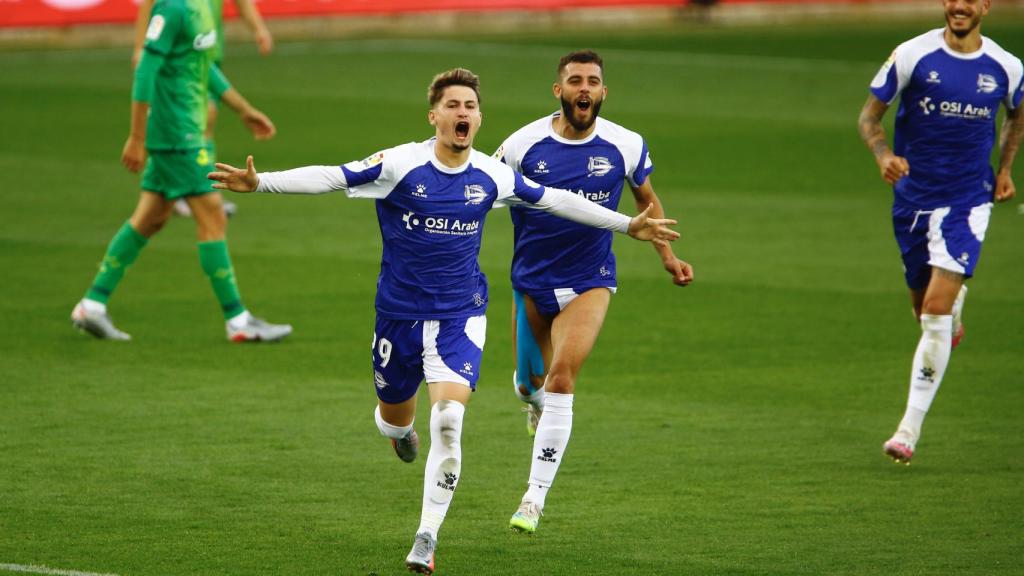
(462, 129)
(583, 104)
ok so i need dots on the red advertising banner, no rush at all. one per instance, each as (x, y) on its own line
(72, 12)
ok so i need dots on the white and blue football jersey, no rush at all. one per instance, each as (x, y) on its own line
(554, 253)
(945, 124)
(431, 220)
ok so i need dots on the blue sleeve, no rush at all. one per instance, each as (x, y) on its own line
(644, 166)
(364, 171)
(887, 91)
(527, 189)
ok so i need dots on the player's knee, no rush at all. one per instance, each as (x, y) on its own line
(560, 382)
(938, 306)
(448, 415)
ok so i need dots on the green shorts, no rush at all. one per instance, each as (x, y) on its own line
(177, 173)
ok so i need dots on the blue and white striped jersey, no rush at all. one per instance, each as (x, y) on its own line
(551, 252)
(945, 124)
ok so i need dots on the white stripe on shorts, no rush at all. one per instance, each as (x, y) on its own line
(434, 368)
(938, 253)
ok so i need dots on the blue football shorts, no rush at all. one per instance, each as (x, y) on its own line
(949, 238)
(529, 361)
(408, 352)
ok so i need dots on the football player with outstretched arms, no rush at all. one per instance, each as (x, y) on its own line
(563, 274)
(950, 83)
(432, 198)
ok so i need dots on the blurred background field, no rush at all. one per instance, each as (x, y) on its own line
(730, 428)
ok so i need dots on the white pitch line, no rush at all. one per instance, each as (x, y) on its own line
(35, 569)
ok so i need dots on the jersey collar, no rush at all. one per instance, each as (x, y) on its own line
(554, 135)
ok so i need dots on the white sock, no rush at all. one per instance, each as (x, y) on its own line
(537, 398)
(390, 430)
(239, 320)
(444, 464)
(549, 445)
(94, 307)
(930, 362)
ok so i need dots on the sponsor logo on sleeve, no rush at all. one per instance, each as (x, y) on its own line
(499, 153)
(372, 161)
(156, 26)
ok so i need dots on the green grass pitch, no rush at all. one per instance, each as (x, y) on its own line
(730, 428)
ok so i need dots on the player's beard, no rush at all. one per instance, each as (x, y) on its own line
(569, 109)
(975, 21)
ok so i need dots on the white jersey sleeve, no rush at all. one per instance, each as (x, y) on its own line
(895, 73)
(305, 180)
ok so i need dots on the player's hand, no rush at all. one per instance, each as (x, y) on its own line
(682, 272)
(643, 227)
(265, 41)
(133, 156)
(893, 167)
(1004, 186)
(235, 179)
(258, 123)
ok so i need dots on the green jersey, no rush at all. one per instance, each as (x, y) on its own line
(182, 41)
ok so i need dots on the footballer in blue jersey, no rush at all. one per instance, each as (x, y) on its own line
(950, 84)
(563, 274)
(432, 198)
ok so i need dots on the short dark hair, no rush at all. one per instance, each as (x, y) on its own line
(581, 57)
(453, 77)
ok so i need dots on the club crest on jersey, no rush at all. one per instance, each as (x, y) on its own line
(599, 166)
(475, 194)
(933, 78)
(987, 83)
(205, 41)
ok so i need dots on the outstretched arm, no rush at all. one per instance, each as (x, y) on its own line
(565, 204)
(307, 180)
(891, 166)
(1010, 136)
(682, 272)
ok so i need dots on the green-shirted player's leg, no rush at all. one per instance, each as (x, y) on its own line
(122, 251)
(216, 263)
(211, 229)
(90, 314)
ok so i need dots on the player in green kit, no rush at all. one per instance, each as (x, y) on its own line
(168, 122)
(248, 12)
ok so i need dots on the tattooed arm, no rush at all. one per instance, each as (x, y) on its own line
(891, 166)
(1009, 142)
